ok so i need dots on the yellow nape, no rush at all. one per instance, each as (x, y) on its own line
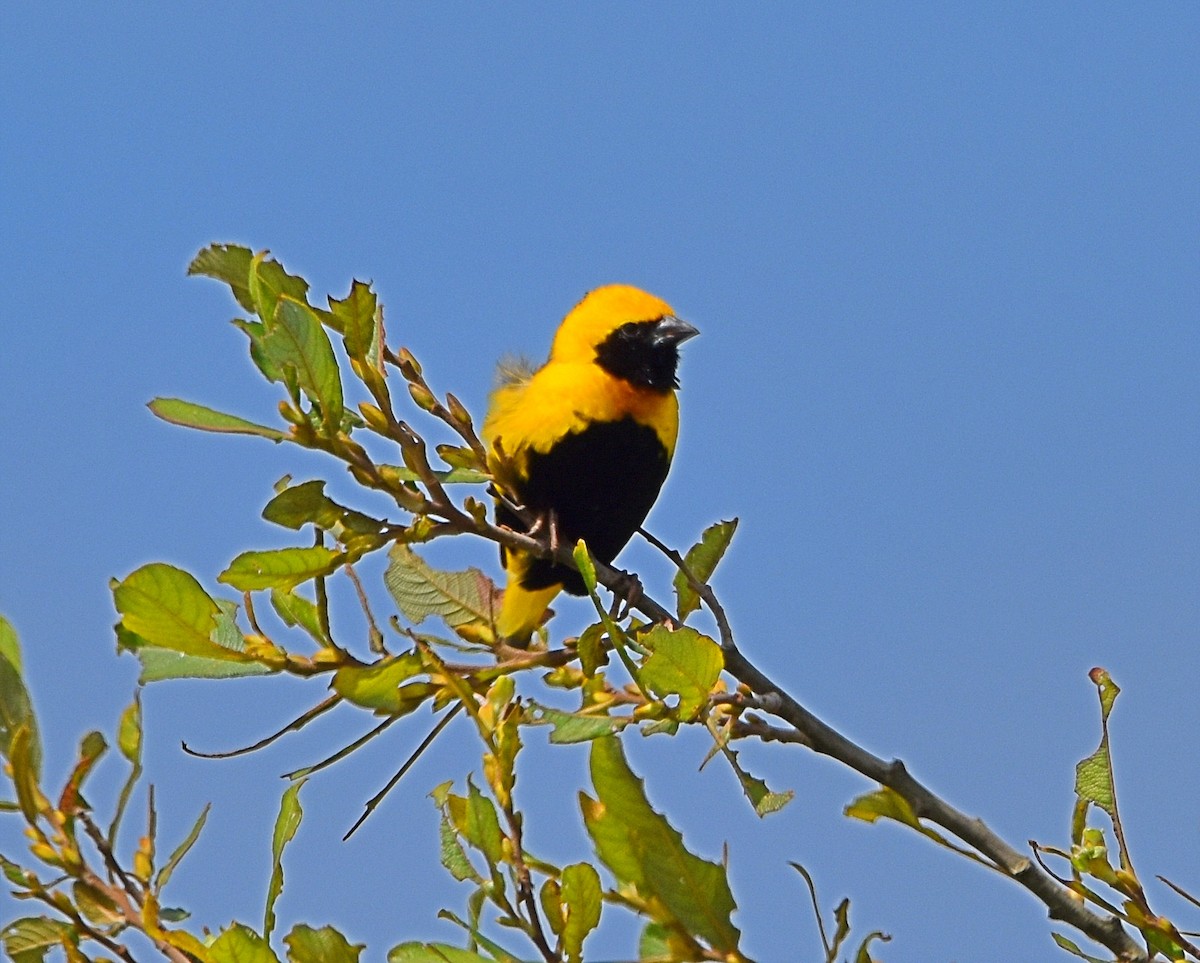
(599, 314)
(522, 611)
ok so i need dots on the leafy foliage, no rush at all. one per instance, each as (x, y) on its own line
(624, 673)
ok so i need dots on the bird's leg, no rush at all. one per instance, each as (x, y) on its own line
(546, 521)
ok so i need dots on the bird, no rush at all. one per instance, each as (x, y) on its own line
(585, 441)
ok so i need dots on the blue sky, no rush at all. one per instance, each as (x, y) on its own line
(944, 260)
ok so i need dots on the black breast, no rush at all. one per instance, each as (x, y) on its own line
(601, 483)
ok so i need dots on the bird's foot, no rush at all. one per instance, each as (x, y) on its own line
(627, 592)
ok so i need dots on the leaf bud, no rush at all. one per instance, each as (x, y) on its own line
(422, 396)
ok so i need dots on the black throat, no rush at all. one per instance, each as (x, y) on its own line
(636, 354)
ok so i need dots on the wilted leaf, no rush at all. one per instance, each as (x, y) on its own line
(641, 848)
(286, 824)
(756, 790)
(283, 568)
(326, 945)
(420, 591)
(191, 415)
(885, 803)
(453, 856)
(91, 749)
(701, 560)
(682, 663)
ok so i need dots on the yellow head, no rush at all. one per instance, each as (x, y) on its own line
(631, 334)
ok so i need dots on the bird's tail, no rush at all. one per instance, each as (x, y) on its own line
(522, 610)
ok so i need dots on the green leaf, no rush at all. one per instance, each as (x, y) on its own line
(453, 476)
(355, 317)
(297, 343)
(191, 415)
(756, 790)
(642, 849)
(164, 874)
(23, 759)
(886, 803)
(10, 645)
(29, 939)
(1074, 949)
(587, 569)
(581, 896)
(590, 647)
(864, 948)
(286, 824)
(481, 826)
(572, 727)
(240, 944)
(434, 953)
(165, 607)
(231, 263)
(16, 707)
(702, 559)
(299, 505)
(377, 686)
(129, 733)
(282, 568)
(296, 610)
(655, 943)
(453, 856)
(682, 663)
(326, 945)
(420, 591)
(160, 664)
(1093, 780)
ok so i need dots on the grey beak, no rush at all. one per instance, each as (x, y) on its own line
(673, 330)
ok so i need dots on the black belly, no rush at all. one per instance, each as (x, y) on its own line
(601, 483)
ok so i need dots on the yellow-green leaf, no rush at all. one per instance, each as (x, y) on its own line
(165, 607)
(283, 568)
(240, 944)
(641, 848)
(286, 824)
(701, 560)
(16, 707)
(682, 663)
(326, 945)
(434, 953)
(581, 896)
(377, 686)
(191, 415)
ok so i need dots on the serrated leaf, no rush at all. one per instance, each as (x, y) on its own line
(1093, 780)
(282, 568)
(377, 686)
(231, 263)
(355, 318)
(326, 945)
(756, 790)
(458, 598)
(641, 848)
(570, 727)
(286, 824)
(240, 944)
(306, 503)
(176, 857)
(434, 953)
(165, 607)
(702, 559)
(191, 415)
(682, 663)
(581, 896)
(16, 707)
